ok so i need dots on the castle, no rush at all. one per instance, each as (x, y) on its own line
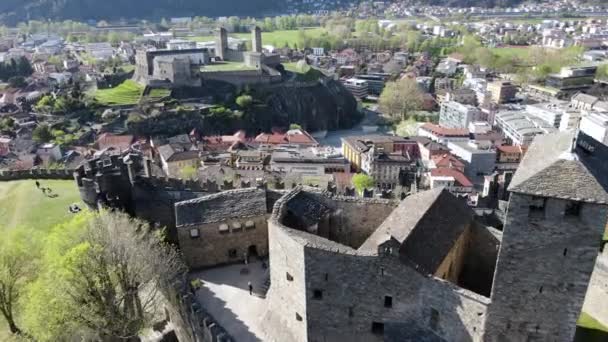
(189, 65)
(420, 269)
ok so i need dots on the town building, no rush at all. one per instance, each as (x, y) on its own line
(295, 137)
(502, 91)
(458, 115)
(357, 87)
(479, 158)
(310, 161)
(571, 80)
(520, 128)
(443, 134)
(596, 126)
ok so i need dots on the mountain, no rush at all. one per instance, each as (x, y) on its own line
(13, 11)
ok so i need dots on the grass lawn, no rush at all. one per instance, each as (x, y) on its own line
(126, 93)
(586, 321)
(158, 93)
(22, 204)
(518, 52)
(275, 38)
(226, 66)
(303, 71)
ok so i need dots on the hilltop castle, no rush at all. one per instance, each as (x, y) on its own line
(186, 65)
(421, 269)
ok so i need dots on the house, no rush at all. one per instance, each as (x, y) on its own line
(174, 158)
(49, 153)
(5, 145)
(111, 141)
(291, 137)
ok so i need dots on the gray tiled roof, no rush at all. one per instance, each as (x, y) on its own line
(427, 225)
(309, 210)
(550, 168)
(222, 206)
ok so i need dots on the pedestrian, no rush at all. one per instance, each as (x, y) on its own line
(38, 184)
(250, 288)
(44, 190)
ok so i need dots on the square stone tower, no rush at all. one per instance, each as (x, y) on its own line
(221, 43)
(256, 39)
(556, 217)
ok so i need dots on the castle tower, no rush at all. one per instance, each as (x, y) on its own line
(221, 43)
(555, 220)
(256, 39)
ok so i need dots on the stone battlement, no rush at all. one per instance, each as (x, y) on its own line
(36, 174)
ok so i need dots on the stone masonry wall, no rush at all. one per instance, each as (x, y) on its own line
(212, 247)
(353, 220)
(36, 174)
(286, 317)
(353, 290)
(543, 270)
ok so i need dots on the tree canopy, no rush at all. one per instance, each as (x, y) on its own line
(362, 181)
(399, 98)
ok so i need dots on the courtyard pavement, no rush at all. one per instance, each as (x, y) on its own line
(225, 295)
(597, 293)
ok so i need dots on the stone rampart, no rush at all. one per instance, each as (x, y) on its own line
(36, 174)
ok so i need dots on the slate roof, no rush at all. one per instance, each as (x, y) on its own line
(427, 225)
(233, 204)
(551, 168)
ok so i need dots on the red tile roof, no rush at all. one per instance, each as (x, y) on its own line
(458, 176)
(511, 149)
(447, 160)
(299, 137)
(119, 142)
(446, 132)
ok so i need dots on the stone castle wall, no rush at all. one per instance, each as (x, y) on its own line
(241, 77)
(336, 293)
(212, 247)
(543, 269)
(36, 174)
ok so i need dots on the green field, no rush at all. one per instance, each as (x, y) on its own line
(226, 66)
(275, 38)
(517, 52)
(127, 93)
(303, 71)
(22, 204)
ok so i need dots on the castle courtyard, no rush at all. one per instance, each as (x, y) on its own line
(224, 293)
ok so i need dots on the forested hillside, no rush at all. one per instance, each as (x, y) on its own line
(13, 11)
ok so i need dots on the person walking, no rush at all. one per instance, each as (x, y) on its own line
(38, 184)
(250, 288)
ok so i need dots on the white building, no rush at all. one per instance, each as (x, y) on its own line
(357, 87)
(520, 127)
(457, 115)
(596, 126)
(100, 51)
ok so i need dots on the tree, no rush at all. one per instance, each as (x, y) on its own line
(401, 97)
(189, 172)
(295, 126)
(362, 181)
(407, 128)
(42, 134)
(103, 280)
(17, 82)
(244, 101)
(17, 268)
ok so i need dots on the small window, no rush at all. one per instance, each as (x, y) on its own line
(434, 320)
(565, 251)
(194, 233)
(540, 289)
(351, 312)
(298, 317)
(232, 253)
(223, 228)
(249, 225)
(381, 271)
(388, 301)
(573, 209)
(236, 226)
(317, 294)
(288, 276)
(326, 276)
(377, 328)
(537, 207)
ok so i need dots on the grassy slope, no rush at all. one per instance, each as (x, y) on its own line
(126, 93)
(275, 38)
(22, 204)
(519, 52)
(586, 321)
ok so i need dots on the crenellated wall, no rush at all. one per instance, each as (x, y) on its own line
(8, 175)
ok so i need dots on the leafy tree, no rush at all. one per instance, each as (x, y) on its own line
(103, 277)
(407, 128)
(42, 134)
(244, 101)
(362, 181)
(401, 97)
(295, 126)
(17, 82)
(17, 268)
(189, 172)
